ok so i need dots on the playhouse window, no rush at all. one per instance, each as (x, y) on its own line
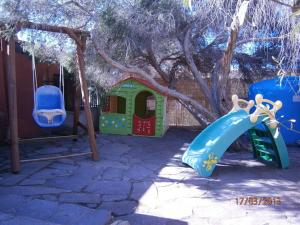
(151, 103)
(115, 104)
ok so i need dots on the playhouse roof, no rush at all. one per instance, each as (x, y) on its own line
(142, 81)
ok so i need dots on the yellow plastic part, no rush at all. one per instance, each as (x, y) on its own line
(262, 110)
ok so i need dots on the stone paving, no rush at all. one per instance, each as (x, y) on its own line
(141, 180)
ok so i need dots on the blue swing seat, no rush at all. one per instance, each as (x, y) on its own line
(49, 110)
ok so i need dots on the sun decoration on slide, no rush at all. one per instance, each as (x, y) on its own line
(210, 162)
(265, 110)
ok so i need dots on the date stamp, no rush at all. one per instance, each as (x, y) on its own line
(255, 200)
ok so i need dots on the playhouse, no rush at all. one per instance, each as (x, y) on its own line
(133, 106)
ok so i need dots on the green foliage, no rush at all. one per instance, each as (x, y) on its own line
(118, 28)
(187, 3)
(7, 31)
(127, 28)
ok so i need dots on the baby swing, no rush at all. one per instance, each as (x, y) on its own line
(49, 104)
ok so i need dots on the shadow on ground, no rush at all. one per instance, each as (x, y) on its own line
(142, 180)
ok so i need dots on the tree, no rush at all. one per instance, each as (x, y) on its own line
(180, 44)
(200, 41)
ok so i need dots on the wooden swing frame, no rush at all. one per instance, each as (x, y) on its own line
(79, 37)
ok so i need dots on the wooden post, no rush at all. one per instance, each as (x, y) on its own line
(12, 104)
(76, 106)
(4, 60)
(85, 97)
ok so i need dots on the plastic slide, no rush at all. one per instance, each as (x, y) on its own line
(209, 146)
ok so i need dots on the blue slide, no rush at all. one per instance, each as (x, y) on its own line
(209, 146)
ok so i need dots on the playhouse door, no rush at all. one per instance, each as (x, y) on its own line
(145, 127)
(144, 116)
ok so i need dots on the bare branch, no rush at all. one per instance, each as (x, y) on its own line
(173, 56)
(197, 75)
(282, 3)
(135, 70)
(77, 5)
(156, 65)
(264, 39)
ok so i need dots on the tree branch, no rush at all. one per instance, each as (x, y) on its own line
(225, 62)
(153, 61)
(173, 56)
(282, 3)
(197, 75)
(174, 69)
(263, 39)
(135, 70)
(77, 5)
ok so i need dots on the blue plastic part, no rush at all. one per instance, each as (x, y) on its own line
(209, 146)
(283, 90)
(281, 149)
(49, 97)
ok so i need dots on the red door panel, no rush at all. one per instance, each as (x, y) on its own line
(144, 127)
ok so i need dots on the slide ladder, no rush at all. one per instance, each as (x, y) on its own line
(263, 146)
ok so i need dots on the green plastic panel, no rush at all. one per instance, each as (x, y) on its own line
(114, 123)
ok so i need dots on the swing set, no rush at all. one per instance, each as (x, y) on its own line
(49, 106)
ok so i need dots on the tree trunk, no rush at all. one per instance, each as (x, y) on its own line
(224, 86)
(203, 85)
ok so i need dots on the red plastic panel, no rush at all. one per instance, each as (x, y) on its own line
(145, 127)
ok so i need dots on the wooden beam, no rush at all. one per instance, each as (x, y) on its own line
(85, 97)
(56, 157)
(71, 32)
(21, 140)
(12, 105)
(4, 60)
(76, 106)
(46, 27)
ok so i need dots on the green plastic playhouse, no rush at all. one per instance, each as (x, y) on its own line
(134, 106)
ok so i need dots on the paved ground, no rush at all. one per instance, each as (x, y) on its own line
(142, 180)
